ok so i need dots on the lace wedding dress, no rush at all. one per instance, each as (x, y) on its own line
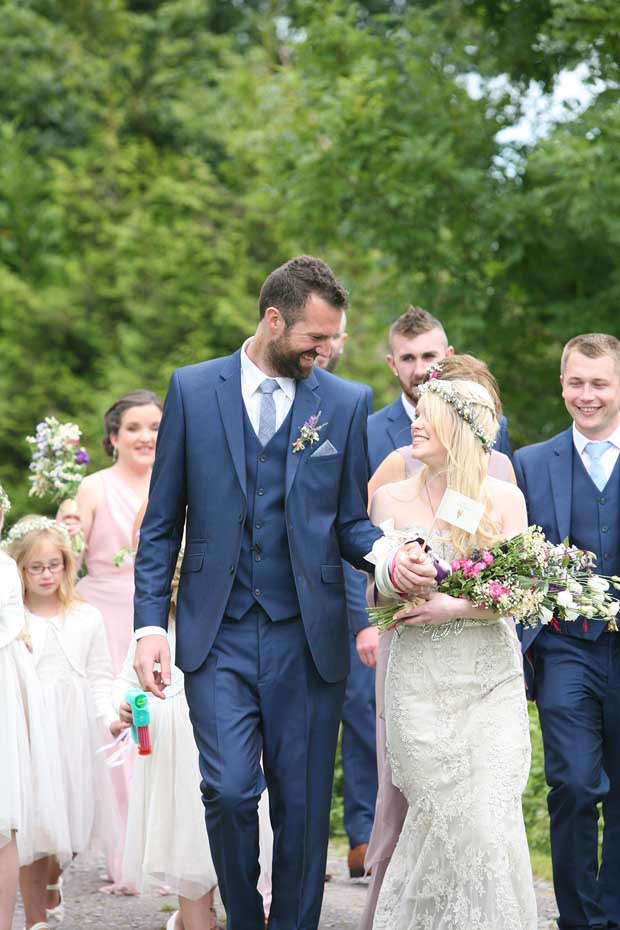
(459, 747)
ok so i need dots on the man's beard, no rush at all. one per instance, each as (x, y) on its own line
(286, 363)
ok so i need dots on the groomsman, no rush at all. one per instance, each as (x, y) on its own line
(572, 487)
(359, 767)
(417, 340)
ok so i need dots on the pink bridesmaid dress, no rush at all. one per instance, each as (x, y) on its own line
(110, 588)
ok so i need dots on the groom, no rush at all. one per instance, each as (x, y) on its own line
(263, 458)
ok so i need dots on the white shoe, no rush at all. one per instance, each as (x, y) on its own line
(171, 920)
(56, 913)
(39, 926)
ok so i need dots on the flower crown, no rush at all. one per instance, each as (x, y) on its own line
(464, 408)
(5, 503)
(31, 525)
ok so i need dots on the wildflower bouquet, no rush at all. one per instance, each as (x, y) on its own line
(527, 578)
(58, 465)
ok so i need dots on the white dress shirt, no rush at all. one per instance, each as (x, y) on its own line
(251, 379)
(410, 410)
(609, 457)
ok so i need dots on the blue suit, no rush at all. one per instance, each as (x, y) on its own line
(262, 632)
(390, 428)
(574, 674)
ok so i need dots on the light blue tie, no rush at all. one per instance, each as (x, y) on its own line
(596, 450)
(267, 421)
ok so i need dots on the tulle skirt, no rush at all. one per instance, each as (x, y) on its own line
(30, 773)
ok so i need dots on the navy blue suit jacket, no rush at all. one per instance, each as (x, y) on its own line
(390, 428)
(199, 480)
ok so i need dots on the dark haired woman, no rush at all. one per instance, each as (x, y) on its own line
(108, 502)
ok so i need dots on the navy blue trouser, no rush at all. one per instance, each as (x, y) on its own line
(359, 751)
(259, 691)
(578, 698)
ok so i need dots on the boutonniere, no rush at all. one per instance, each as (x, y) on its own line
(308, 433)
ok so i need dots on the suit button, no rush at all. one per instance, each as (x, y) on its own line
(257, 592)
(606, 555)
(257, 557)
(262, 458)
(260, 492)
(604, 529)
(258, 525)
(231, 569)
(602, 500)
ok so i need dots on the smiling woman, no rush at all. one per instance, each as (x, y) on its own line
(108, 502)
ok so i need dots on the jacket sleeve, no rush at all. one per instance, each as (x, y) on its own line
(356, 534)
(355, 584)
(162, 528)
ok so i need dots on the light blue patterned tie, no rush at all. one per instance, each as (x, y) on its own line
(267, 421)
(596, 450)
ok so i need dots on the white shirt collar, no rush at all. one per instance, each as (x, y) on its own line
(409, 407)
(581, 441)
(254, 377)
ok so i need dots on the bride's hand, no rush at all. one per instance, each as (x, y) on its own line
(413, 568)
(439, 608)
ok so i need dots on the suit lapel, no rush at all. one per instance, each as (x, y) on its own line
(399, 427)
(230, 401)
(561, 477)
(306, 404)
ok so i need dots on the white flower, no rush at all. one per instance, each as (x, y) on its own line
(565, 599)
(575, 587)
(596, 583)
(546, 615)
(613, 607)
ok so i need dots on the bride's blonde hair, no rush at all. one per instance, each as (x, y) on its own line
(467, 459)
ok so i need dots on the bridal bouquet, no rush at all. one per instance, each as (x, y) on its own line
(58, 465)
(527, 578)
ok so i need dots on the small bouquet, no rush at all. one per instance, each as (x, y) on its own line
(58, 465)
(527, 578)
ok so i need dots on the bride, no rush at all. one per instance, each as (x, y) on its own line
(456, 714)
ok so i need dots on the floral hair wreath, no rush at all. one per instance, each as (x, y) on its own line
(464, 408)
(28, 525)
(5, 503)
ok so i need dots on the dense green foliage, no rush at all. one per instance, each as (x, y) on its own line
(157, 159)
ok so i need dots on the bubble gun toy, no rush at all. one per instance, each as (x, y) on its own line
(141, 715)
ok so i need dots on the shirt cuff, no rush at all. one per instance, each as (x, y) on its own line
(149, 631)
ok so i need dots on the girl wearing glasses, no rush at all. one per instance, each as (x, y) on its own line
(73, 666)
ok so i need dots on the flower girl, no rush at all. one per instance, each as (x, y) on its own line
(31, 825)
(166, 838)
(73, 665)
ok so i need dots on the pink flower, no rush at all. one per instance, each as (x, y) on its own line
(487, 558)
(456, 565)
(478, 567)
(496, 590)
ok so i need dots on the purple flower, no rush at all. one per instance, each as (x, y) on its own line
(82, 457)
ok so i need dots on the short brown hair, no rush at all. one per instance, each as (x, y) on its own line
(469, 368)
(289, 287)
(592, 345)
(413, 322)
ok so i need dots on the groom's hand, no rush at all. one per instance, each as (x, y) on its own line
(413, 569)
(152, 650)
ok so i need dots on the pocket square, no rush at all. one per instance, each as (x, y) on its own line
(326, 448)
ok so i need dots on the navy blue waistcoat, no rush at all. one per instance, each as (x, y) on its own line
(264, 572)
(594, 526)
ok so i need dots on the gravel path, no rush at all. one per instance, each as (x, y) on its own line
(342, 905)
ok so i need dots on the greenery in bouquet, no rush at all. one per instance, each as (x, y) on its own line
(58, 465)
(529, 579)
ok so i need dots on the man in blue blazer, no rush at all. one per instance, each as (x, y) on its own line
(358, 745)
(417, 341)
(571, 485)
(262, 459)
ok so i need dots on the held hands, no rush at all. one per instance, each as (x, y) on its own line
(153, 650)
(413, 569)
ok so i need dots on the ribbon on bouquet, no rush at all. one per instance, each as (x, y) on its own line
(121, 746)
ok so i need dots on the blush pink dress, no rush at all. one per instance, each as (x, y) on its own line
(110, 589)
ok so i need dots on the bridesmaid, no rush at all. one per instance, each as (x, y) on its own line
(108, 503)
